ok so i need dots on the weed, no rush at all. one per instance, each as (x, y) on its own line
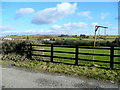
(90, 72)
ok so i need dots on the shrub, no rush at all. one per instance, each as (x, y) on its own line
(69, 42)
(86, 43)
(8, 46)
(81, 42)
(27, 38)
(116, 41)
(52, 39)
(103, 43)
(15, 46)
(59, 42)
(72, 42)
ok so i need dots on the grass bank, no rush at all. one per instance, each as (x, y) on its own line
(89, 72)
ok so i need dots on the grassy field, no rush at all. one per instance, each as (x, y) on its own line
(102, 58)
(31, 37)
(38, 37)
(81, 50)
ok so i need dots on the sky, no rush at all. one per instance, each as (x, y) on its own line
(73, 18)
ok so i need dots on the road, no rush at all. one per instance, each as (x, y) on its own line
(23, 78)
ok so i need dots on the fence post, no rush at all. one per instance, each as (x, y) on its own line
(111, 56)
(51, 52)
(30, 51)
(76, 55)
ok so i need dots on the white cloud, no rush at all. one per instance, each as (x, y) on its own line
(69, 26)
(37, 31)
(9, 32)
(5, 27)
(23, 12)
(101, 24)
(106, 24)
(51, 15)
(94, 24)
(28, 32)
(56, 27)
(74, 27)
(6, 33)
(86, 14)
(114, 28)
(103, 15)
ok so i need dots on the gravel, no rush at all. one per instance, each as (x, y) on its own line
(20, 78)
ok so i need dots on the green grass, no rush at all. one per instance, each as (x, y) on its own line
(31, 37)
(109, 38)
(36, 37)
(89, 72)
(81, 50)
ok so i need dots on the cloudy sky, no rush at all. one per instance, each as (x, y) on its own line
(30, 18)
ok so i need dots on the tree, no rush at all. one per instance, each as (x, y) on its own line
(82, 35)
(27, 38)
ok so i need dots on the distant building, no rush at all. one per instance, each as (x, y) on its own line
(47, 41)
(52, 41)
(6, 39)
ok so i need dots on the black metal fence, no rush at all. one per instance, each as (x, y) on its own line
(76, 53)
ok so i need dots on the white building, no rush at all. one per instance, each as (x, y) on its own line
(7, 39)
(45, 39)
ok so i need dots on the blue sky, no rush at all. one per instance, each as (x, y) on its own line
(30, 18)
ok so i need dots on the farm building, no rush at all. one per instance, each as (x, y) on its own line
(6, 39)
(47, 41)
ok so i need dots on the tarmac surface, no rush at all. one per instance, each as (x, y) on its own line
(13, 77)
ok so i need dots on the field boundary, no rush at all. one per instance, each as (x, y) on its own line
(76, 53)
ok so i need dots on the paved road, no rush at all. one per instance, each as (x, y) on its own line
(20, 78)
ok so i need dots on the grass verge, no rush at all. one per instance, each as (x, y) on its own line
(89, 72)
